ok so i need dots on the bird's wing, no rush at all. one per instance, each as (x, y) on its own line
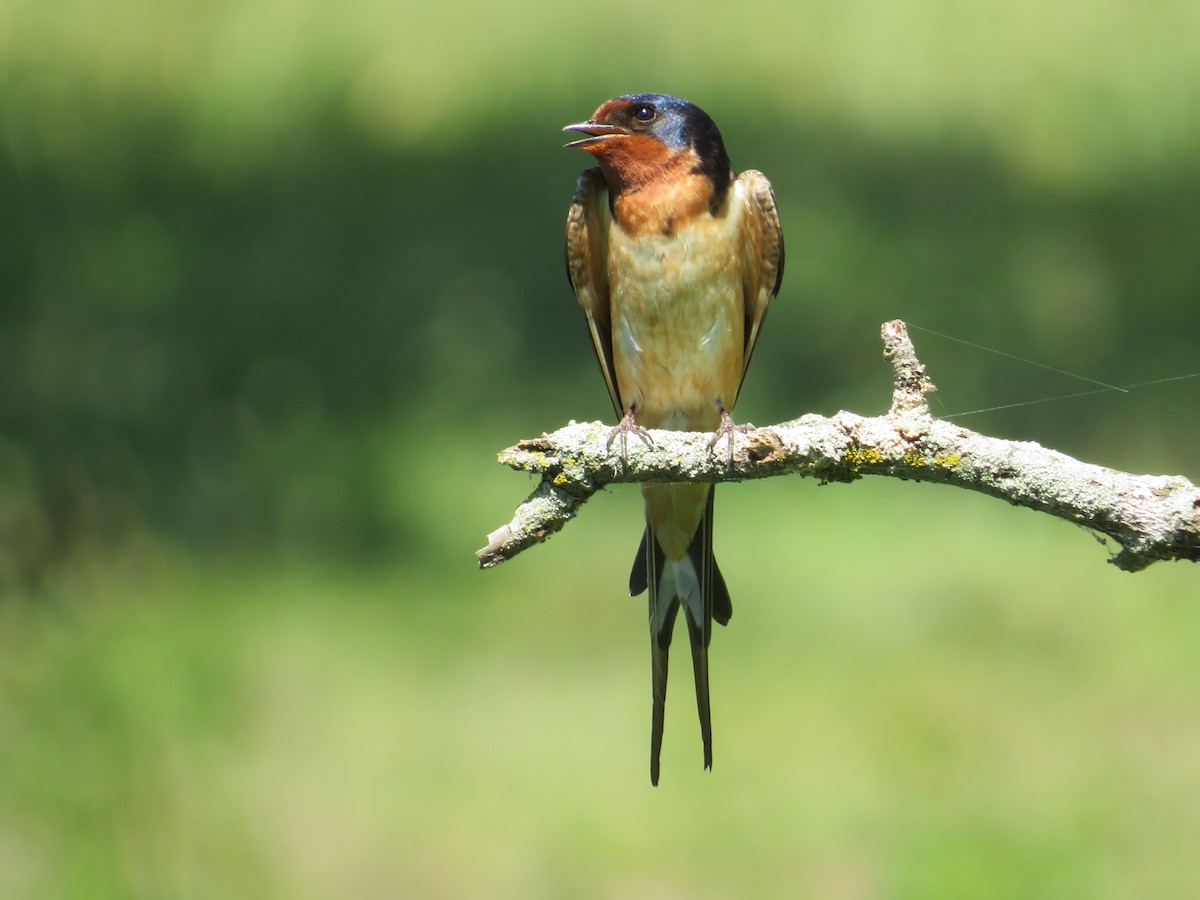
(587, 268)
(762, 253)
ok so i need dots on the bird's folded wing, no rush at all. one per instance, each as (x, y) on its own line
(587, 268)
(762, 252)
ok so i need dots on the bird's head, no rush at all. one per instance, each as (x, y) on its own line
(640, 137)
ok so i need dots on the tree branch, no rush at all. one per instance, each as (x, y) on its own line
(1151, 517)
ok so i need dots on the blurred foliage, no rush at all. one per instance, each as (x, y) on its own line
(949, 698)
(244, 237)
(276, 281)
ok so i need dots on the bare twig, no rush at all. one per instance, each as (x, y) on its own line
(1152, 517)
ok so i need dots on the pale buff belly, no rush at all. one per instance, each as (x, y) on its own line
(677, 325)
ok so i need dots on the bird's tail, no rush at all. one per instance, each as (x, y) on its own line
(695, 582)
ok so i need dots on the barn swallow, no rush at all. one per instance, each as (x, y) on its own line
(674, 260)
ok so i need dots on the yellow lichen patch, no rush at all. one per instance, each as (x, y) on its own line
(947, 460)
(915, 460)
(560, 479)
(863, 456)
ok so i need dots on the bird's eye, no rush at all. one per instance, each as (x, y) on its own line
(644, 113)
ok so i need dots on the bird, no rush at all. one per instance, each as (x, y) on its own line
(674, 260)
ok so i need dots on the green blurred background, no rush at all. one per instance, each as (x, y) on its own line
(278, 279)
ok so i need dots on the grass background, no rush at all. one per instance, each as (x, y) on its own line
(278, 280)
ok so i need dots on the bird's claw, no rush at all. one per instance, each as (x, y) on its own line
(624, 428)
(728, 430)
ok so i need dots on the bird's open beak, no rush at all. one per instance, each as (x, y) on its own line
(596, 132)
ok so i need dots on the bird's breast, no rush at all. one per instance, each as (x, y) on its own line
(677, 321)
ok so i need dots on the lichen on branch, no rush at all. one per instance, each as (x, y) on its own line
(1151, 517)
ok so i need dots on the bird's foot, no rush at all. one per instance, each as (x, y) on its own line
(624, 428)
(727, 430)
